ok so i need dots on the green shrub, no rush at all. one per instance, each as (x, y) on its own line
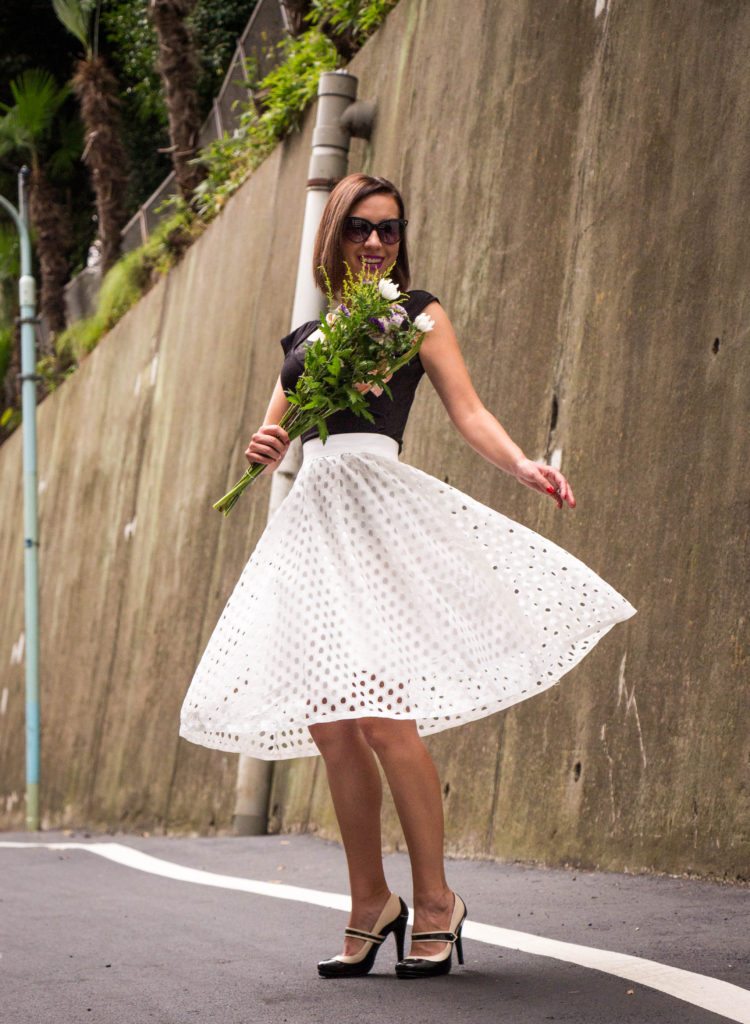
(355, 19)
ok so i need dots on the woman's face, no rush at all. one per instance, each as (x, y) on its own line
(372, 255)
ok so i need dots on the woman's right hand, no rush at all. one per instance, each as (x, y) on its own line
(269, 444)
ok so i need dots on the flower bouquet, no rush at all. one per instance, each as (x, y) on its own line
(368, 337)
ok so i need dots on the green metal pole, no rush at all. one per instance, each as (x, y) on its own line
(28, 377)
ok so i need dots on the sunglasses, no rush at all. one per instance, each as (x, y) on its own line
(357, 229)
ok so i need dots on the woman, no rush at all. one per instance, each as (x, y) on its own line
(381, 604)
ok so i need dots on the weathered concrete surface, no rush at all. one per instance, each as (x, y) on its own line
(576, 179)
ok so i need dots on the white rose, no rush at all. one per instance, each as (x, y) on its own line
(424, 323)
(388, 289)
(331, 318)
(316, 335)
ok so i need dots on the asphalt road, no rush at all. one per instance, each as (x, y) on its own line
(84, 938)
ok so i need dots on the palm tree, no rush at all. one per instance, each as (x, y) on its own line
(25, 131)
(178, 68)
(104, 154)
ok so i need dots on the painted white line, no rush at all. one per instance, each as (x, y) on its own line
(711, 994)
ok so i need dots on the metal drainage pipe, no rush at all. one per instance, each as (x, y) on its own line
(338, 118)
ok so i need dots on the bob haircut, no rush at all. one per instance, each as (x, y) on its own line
(327, 251)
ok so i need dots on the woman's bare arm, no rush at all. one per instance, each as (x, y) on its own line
(444, 365)
(270, 442)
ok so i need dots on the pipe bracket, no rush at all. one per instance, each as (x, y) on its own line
(327, 184)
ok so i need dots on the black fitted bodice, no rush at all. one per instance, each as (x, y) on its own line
(390, 415)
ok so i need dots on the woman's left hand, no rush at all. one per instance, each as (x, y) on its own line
(546, 479)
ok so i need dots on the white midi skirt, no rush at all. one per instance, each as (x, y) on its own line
(376, 590)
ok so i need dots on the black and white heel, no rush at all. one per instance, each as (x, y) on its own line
(440, 963)
(393, 918)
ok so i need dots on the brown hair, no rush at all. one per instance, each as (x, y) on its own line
(327, 251)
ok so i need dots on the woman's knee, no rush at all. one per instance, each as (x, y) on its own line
(335, 739)
(386, 735)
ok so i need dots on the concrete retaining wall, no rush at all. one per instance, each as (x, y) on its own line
(576, 177)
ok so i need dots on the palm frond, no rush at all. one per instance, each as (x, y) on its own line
(14, 137)
(76, 16)
(37, 99)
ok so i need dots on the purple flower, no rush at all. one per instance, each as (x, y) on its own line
(381, 325)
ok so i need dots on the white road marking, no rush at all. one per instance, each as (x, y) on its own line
(711, 994)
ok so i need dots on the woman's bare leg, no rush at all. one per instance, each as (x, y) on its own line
(357, 794)
(415, 785)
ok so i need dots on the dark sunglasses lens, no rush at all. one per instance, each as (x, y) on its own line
(356, 230)
(390, 232)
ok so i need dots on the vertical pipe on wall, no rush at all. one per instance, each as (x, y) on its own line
(328, 164)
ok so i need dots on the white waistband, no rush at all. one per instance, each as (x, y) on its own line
(335, 444)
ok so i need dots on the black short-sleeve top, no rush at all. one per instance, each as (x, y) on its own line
(390, 415)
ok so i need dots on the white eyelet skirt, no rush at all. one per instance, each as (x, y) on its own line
(376, 590)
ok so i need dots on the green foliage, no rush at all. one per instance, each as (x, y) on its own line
(133, 44)
(6, 348)
(354, 18)
(48, 368)
(293, 83)
(10, 264)
(10, 419)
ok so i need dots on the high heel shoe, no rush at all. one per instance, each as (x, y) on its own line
(440, 963)
(392, 919)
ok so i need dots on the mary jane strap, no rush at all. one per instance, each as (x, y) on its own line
(368, 936)
(436, 936)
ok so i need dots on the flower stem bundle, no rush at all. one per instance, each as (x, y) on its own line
(358, 345)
